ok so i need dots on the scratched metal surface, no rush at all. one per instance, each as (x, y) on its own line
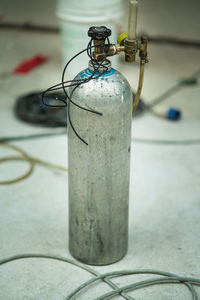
(99, 173)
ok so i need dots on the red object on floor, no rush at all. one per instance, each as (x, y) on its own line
(27, 66)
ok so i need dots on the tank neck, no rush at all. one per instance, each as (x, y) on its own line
(104, 66)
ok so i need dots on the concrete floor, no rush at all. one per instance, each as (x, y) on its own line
(164, 227)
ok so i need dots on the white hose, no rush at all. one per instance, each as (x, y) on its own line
(132, 21)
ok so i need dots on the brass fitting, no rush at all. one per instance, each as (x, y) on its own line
(130, 46)
(130, 49)
(99, 52)
(143, 50)
(119, 48)
(102, 51)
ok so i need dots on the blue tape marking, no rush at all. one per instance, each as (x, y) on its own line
(88, 73)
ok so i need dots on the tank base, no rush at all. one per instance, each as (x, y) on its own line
(92, 263)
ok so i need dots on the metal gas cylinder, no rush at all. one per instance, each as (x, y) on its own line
(99, 171)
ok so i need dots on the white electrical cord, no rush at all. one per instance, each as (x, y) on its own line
(190, 282)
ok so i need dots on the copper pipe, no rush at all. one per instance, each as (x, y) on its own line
(139, 89)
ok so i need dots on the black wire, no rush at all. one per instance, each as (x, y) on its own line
(72, 92)
(80, 82)
(61, 85)
(70, 97)
(76, 84)
(88, 79)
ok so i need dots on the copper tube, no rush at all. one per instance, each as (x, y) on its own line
(139, 89)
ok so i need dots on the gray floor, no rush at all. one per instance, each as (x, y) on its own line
(164, 228)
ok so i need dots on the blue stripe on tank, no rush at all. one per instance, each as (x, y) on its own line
(87, 73)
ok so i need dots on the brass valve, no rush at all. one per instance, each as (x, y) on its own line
(129, 47)
(99, 34)
(127, 43)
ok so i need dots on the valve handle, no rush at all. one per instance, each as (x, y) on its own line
(99, 32)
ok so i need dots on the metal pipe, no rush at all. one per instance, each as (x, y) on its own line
(139, 89)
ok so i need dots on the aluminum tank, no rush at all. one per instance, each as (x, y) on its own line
(99, 172)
